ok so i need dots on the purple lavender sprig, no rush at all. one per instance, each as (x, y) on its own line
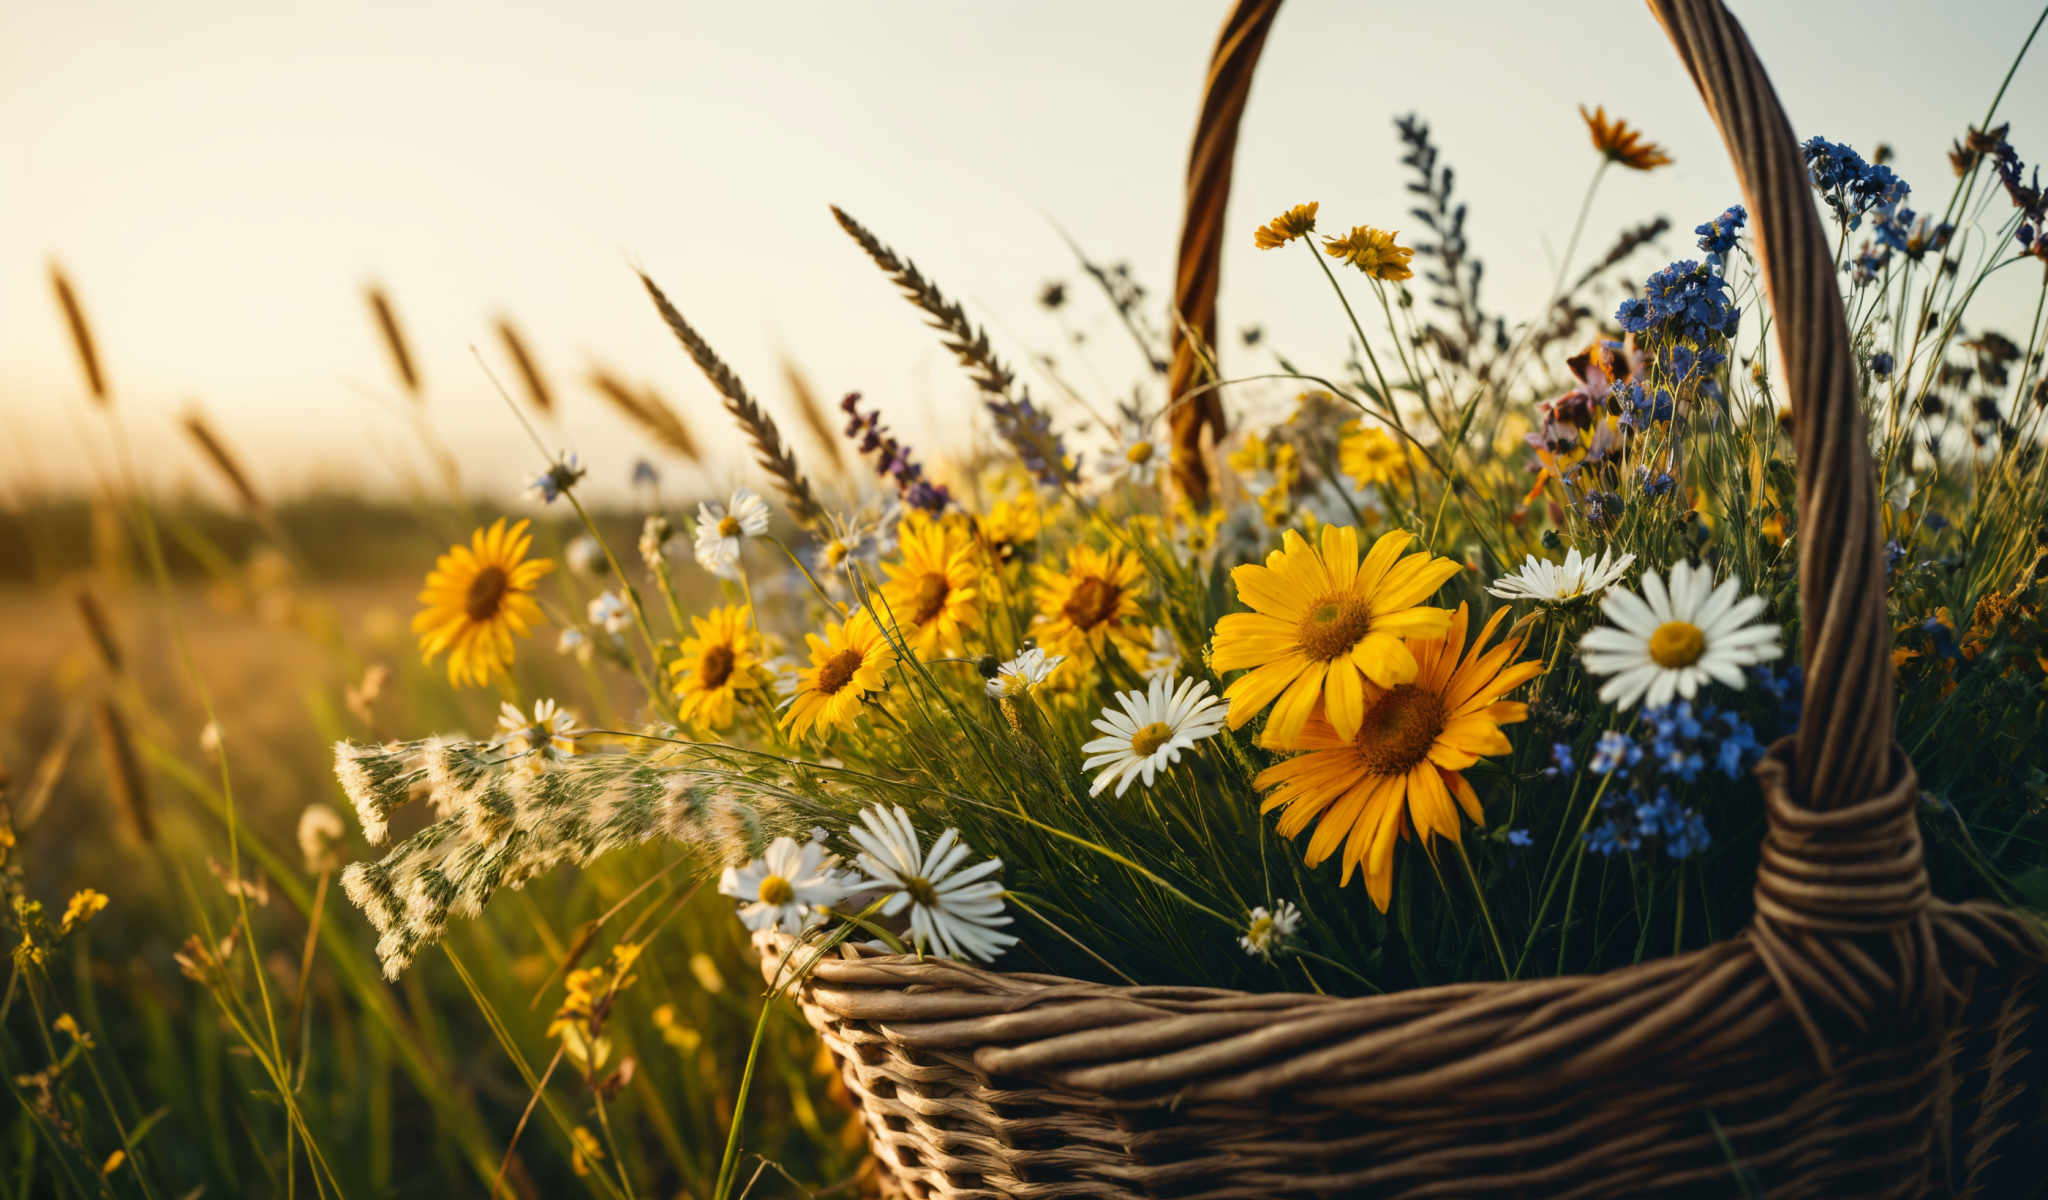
(892, 459)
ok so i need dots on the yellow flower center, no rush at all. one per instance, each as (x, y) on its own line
(776, 890)
(1147, 741)
(929, 597)
(715, 667)
(838, 670)
(1399, 728)
(1091, 602)
(1677, 644)
(922, 893)
(1139, 453)
(835, 552)
(1261, 931)
(486, 592)
(729, 526)
(1333, 625)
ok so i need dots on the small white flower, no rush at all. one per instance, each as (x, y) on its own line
(609, 612)
(654, 534)
(573, 641)
(585, 556)
(548, 730)
(1549, 583)
(787, 888)
(320, 827)
(1150, 731)
(1668, 641)
(722, 527)
(1162, 660)
(1268, 931)
(1137, 459)
(952, 910)
(1023, 674)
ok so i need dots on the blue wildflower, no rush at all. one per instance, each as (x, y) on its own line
(1602, 509)
(1654, 486)
(560, 476)
(1717, 237)
(1690, 837)
(1613, 752)
(1849, 185)
(645, 474)
(1881, 364)
(1561, 762)
(1521, 837)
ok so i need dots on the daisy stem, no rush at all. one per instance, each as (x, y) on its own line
(1480, 894)
(1386, 394)
(632, 596)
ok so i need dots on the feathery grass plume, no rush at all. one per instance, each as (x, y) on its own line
(81, 336)
(770, 451)
(394, 338)
(1028, 431)
(124, 775)
(100, 629)
(1455, 277)
(223, 459)
(649, 411)
(537, 389)
(504, 820)
(813, 411)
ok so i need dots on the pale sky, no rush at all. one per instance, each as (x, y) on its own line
(222, 177)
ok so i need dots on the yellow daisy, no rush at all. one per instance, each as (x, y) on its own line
(849, 663)
(930, 594)
(1091, 606)
(478, 596)
(1403, 767)
(1296, 222)
(1373, 251)
(713, 667)
(1323, 625)
(1012, 525)
(1371, 456)
(1621, 144)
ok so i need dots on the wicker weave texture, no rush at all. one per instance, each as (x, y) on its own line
(1860, 1038)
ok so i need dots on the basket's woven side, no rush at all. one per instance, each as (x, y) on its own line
(1201, 243)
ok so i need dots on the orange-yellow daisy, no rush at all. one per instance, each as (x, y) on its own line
(850, 662)
(1622, 144)
(930, 594)
(1323, 625)
(713, 667)
(478, 596)
(1373, 251)
(1090, 607)
(1298, 221)
(1402, 769)
(1370, 455)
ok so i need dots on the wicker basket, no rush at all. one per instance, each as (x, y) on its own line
(1859, 1038)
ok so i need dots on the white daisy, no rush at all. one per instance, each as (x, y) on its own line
(722, 527)
(548, 730)
(1669, 641)
(1024, 673)
(573, 641)
(1152, 729)
(953, 910)
(608, 612)
(585, 556)
(1549, 583)
(1137, 459)
(1267, 930)
(787, 888)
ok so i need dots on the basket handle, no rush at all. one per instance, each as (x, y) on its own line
(1844, 756)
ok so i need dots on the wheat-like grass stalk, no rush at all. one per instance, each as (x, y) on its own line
(223, 459)
(815, 417)
(770, 450)
(1018, 421)
(537, 389)
(649, 411)
(100, 630)
(394, 339)
(81, 336)
(124, 774)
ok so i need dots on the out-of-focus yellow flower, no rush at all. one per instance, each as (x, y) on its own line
(84, 906)
(1622, 144)
(1373, 251)
(67, 1025)
(114, 1162)
(1371, 456)
(476, 598)
(584, 1152)
(1298, 221)
(706, 973)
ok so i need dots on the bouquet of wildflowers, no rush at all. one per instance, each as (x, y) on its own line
(1460, 677)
